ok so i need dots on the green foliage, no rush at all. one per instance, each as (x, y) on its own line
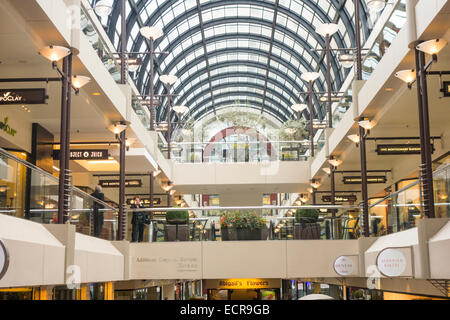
(306, 215)
(177, 215)
(242, 220)
(298, 128)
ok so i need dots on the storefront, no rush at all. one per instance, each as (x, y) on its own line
(244, 289)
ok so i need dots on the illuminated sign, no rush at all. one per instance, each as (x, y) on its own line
(84, 154)
(22, 96)
(358, 179)
(4, 259)
(398, 149)
(346, 265)
(5, 127)
(393, 262)
(243, 284)
(145, 203)
(116, 183)
(343, 198)
(446, 88)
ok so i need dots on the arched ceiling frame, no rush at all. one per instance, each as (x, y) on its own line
(238, 94)
(337, 71)
(137, 6)
(182, 99)
(246, 84)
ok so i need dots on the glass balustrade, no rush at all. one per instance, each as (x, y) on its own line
(253, 224)
(384, 40)
(402, 209)
(29, 192)
(237, 151)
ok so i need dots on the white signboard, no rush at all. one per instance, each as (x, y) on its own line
(346, 265)
(4, 259)
(392, 262)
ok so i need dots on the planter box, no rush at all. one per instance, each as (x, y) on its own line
(233, 234)
(306, 231)
(170, 232)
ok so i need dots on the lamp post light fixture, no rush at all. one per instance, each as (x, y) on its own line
(168, 81)
(103, 8)
(376, 5)
(354, 138)
(180, 110)
(327, 170)
(432, 47)
(79, 82)
(326, 30)
(408, 76)
(151, 33)
(334, 161)
(315, 183)
(54, 53)
(310, 77)
(346, 60)
(365, 125)
(117, 128)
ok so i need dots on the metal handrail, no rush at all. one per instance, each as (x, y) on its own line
(50, 176)
(159, 209)
(412, 184)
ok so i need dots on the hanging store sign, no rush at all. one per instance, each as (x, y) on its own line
(346, 265)
(137, 183)
(145, 203)
(243, 284)
(22, 96)
(399, 149)
(358, 179)
(446, 88)
(84, 154)
(342, 198)
(4, 259)
(395, 262)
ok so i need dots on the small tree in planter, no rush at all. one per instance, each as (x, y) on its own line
(181, 221)
(306, 225)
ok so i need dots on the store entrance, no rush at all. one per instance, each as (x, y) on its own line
(244, 289)
(244, 294)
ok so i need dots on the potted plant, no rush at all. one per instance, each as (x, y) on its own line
(177, 226)
(242, 226)
(306, 225)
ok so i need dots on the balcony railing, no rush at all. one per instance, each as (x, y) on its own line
(402, 209)
(29, 192)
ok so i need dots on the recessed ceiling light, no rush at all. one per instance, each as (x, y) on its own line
(96, 93)
(389, 89)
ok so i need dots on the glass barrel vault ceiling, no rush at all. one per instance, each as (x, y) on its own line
(256, 50)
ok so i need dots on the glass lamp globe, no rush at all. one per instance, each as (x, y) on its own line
(299, 107)
(168, 79)
(151, 32)
(310, 76)
(103, 8)
(376, 5)
(54, 53)
(407, 76)
(327, 29)
(80, 81)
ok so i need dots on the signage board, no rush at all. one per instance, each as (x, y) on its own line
(243, 284)
(88, 154)
(22, 96)
(399, 149)
(358, 179)
(340, 198)
(394, 262)
(446, 88)
(4, 259)
(135, 183)
(346, 265)
(145, 202)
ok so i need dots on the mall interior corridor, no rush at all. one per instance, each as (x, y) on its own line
(226, 150)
